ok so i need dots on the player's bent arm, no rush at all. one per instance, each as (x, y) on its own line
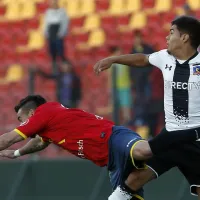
(138, 60)
(8, 139)
(34, 145)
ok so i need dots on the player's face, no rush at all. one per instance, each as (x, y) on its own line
(22, 115)
(174, 40)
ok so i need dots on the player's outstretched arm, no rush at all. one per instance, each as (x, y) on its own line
(8, 139)
(34, 145)
(137, 59)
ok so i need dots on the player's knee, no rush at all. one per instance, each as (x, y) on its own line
(133, 181)
(142, 151)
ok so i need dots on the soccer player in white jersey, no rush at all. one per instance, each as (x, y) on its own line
(180, 65)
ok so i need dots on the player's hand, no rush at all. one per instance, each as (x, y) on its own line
(103, 65)
(7, 154)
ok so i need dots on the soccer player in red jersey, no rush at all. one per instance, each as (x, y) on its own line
(85, 135)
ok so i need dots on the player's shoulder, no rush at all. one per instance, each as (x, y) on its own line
(196, 58)
(48, 106)
(164, 52)
(165, 55)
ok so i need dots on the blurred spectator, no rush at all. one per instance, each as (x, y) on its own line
(55, 29)
(123, 87)
(187, 10)
(140, 80)
(121, 75)
(155, 105)
(69, 85)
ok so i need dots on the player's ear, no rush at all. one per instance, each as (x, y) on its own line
(185, 37)
(31, 112)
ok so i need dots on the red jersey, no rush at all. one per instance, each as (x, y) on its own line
(81, 133)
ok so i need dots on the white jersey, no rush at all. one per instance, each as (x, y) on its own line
(181, 89)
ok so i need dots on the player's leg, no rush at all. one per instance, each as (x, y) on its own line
(138, 178)
(162, 142)
(157, 165)
(193, 177)
(198, 192)
(185, 157)
(189, 165)
(120, 163)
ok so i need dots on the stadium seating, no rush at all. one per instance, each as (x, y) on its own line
(132, 6)
(163, 6)
(14, 73)
(96, 38)
(194, 4)
(117, 7)
(12, 11)
(92, 22)
(95, 26)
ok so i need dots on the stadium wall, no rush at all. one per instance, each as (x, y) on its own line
(76, 180)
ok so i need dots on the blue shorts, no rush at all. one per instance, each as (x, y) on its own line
(121, 163)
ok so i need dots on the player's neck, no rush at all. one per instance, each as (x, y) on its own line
(185, 53)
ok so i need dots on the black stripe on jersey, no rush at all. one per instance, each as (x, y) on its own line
(181, 96)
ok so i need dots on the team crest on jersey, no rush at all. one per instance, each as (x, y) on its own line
(196, 70)
(24, 123)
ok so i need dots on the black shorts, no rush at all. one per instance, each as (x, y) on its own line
(169, 139)
(184, 156)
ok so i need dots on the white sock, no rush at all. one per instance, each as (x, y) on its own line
(120, 194)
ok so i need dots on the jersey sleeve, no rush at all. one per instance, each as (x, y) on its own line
(156, 58)
(33, 125)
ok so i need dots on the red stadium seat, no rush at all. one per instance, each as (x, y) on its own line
(178, 3)
(19, 36)
(122, 20)
(2, 10)
(18, 25)
(76, 22)
(81, 38)
(102, 5)
(42, 7)
(153, 19)
(112, 38)
(197, 14)
(33, 23)
(26, 58)
(84, 57)
(108, 23)
(167, 17)
(101, 53)
(148, 4)
(4, 25)
(40, 56)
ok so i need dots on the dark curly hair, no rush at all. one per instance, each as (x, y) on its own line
(191, 26)
(30, 102)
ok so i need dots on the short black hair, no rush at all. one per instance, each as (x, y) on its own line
(30, 102)
(191, 26)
